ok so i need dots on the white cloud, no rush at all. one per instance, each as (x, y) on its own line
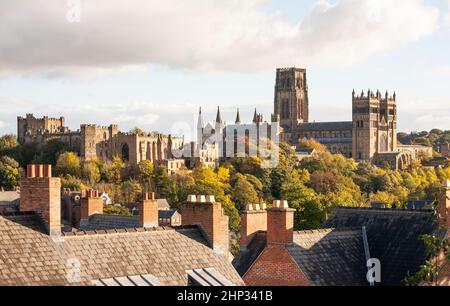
(231, 35)
(447, 17)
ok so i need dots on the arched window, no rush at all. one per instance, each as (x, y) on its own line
(125, 152)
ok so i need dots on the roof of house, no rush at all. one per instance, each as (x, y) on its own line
(166, 214)
(393, 237)
(331, 257)
(9, 197)
(28, 256)
(106, 222)
(326, 257)
(336, 254)
(326, 126)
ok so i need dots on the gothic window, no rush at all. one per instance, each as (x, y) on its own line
(125, 152)
(288, 83)
(285, 109)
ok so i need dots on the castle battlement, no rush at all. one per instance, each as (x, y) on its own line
(370, 94)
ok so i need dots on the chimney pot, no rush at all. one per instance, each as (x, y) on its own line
(210, 199)
(31, 171)
(249, 207)
(192, 199)
(257, 207)
(40, 171)
(276, 203)
(47, 170)
(201, 199)
(285, 204)
(264, 206)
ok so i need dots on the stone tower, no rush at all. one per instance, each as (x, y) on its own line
(374, 124)
(291, 97)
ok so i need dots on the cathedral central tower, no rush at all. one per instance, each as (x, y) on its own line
(291, 97)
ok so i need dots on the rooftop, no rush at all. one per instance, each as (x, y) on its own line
(28, 256)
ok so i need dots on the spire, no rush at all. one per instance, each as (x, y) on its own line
(238, 117)
(218, 117)
(200, 124)
(255, 117)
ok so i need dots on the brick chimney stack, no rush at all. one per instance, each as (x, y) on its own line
(41, 193)
(148, 210)
(280, 223)
(444, 205)
(209, 215)
(91, 204)
(253, 220)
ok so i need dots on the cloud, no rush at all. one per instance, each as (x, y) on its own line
(211, 35)
(447, 17)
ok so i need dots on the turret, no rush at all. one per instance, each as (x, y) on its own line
(238, 117)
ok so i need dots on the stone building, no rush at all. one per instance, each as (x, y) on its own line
(219, 140)
(93, 141)
(445, 150)
(32, 130)
(107, 142)
(371, 136)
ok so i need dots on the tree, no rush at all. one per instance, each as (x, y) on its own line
(48, 152)
(145, 169)
(114, 170)
(305, 143)
(8, 142)
(310, 213)
(116, 210)
(91, 172)
(68, 164)
(10, 173)
(244, 193)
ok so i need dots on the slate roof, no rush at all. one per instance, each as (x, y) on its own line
(28, 256)
(331, 257)
(106, 222)
(166, 214)
(393, 237)
(326, 257)
(244, 259)
(326, 126)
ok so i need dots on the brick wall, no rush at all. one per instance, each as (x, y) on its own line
(275, 266)
(148, 211)
(204, 211)
(280, 223)
(41, 193)
(91, 204)
(254, 219)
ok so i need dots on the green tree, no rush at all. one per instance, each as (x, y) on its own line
(68, 163)
(145, 171)
(91, 172)
(8, 142)
(48, 152)
(115, 170)
(10, 173)
(243, 193)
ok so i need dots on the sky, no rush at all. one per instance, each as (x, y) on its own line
(152, 63)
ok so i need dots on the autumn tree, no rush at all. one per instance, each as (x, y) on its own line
(68, 164)
(10, 173)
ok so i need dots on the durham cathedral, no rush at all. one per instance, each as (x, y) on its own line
(371, 136)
